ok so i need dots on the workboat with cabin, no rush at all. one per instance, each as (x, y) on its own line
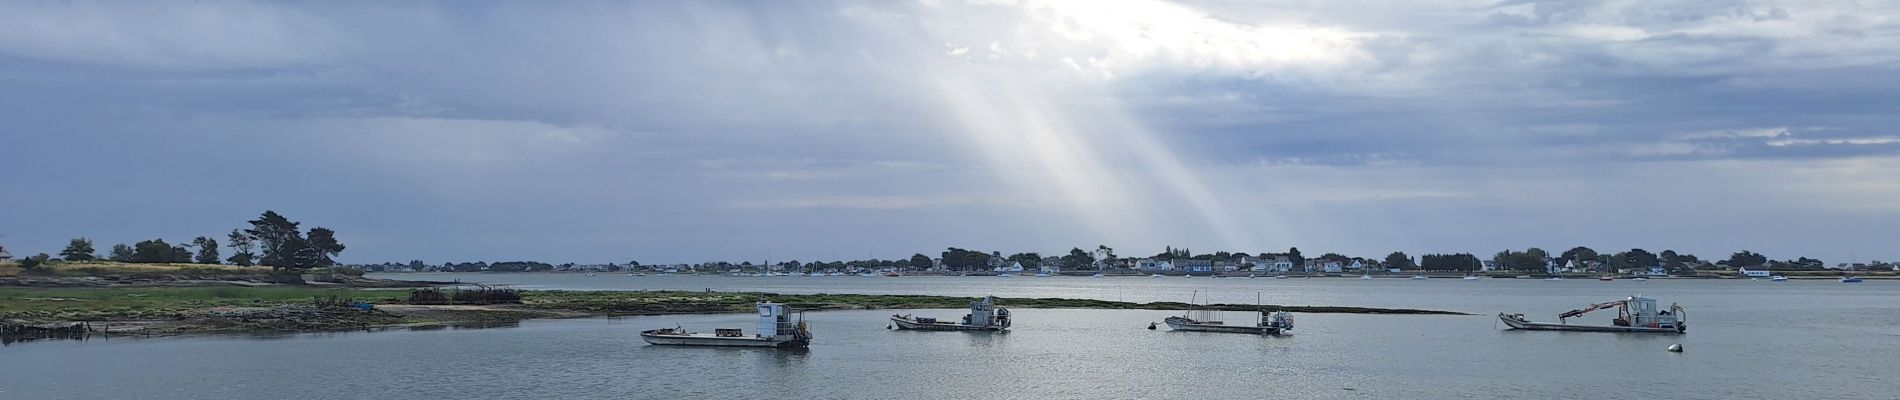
(776, 329)
(983, 316)
(1633, 314)
(1203, 320)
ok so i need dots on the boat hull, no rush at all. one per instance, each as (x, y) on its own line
(1184, 324)
(912, 325)
(1521, 324)
(704, 340)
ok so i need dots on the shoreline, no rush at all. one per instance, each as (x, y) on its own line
(64, 313)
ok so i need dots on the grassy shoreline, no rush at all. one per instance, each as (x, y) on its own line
(169, 311)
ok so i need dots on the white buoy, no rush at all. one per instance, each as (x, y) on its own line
(1675, 348)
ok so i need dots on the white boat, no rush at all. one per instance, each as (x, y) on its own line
(983, 316)
(1471, 277)
(1097, 275)
(1157, 275)
(1202, 320)
(1639, 279)
(1365, 277)
(1420, 277)
(776, 329)
(1778, 278)
(1850, 279)
(1634, 314)
(1282, 277)
(1005, 275)
(1043, 275)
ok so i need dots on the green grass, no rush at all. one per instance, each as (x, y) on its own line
(91, 304)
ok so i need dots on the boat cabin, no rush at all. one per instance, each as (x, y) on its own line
(1642, 312)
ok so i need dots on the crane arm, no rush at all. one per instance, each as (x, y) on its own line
(1592, 307)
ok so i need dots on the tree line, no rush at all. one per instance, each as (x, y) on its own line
(271, 240)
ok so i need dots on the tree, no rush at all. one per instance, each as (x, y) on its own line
(1399, 260)
(324, 247)
(121, 253)
(1580, 254)
(241, 244)
(280, 240)
(1077, 259)
(1108, 253)
(1746, 258)
(207, 249)
(1542, 257)
(80, 249)
(157, 251)
(1639, 258)
(919, 262)
(1294, 253)
(1028, 260)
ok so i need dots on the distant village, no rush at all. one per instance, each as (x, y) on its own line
(1635, 262)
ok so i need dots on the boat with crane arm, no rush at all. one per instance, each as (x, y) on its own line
(984, 316)
(1635, 314)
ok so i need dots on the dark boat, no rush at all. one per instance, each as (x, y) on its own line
(983, 316)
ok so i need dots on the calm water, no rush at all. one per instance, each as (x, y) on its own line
(1747, 340)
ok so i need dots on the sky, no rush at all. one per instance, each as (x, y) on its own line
(608, 131)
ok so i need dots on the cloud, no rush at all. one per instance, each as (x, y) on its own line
(596, 129)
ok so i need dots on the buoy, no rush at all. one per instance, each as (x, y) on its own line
(1675, 348)
(1151, 326)
(891, 326)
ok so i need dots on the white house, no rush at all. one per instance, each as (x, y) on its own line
(1660, 271)
(1282, 264)
(1754, 273)
(1191, 266)
(1153, 265)
(1356, 265)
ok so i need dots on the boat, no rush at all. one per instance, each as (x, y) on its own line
(1639, 279)
(1282, 277)
(1635, 314)
(1157, 275)
(1097, 275)
(1202, 320)
(1605, 278)
(1420, 277)
(1470, 277)
(1043, 275)
(1365, 277)
(1778, 278)
(890, 274)
(1850, 279)
(776, 329)
(983, 316)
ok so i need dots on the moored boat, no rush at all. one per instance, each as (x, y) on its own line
(1634, 314)
(1778, 278)
(1202, 320)
(1850, 279)
(776, 329)
(983, 316)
